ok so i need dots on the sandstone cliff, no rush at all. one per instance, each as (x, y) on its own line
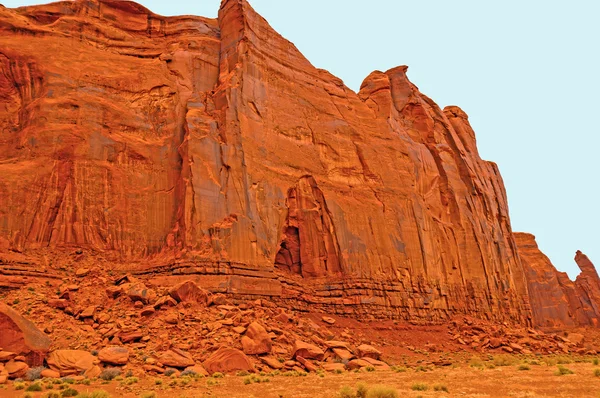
(213, 148)
(556, 301)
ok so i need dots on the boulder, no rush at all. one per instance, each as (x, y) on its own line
(272, 362)
(334, 367)
(70, 362)
(198, 369)
(16, 369)
(365, 350)
(21, 336)
(115, 355)
(49, 373)
(176, 358)
(257, 340)
(307, 351)
(138, 291)
(228, 360)
(357, 364)
(189, 292)
(308, 365)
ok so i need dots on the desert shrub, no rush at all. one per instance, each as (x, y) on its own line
(158, 382)
(346, 392)
(94, 394)
(382, 392)
(170, 372)
(476, 362)
(19, 385)
(110, 373)
(563, 371)
(596, 362)
(34, 373)
(129, 381)
(34, 387)
(361, 390)
(27, 395)
(503, 360)
(398, 369)
(211, 382)
(218, 375)
(440, 387)
(597, 372)
(370, 368)
(242, 373)
(149, 394)
(52, 394)
(524, 367)
(69, 392)
(419, 387)
(563, 360)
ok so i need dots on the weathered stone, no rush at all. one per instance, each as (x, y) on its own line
(334, 367)
(70, 362)
(176, 358)
(307, 350)
(114, 355)
(49, 373)
(272, 362)
(257, 340)
(198, 369)
(365, 350)
(21, 336)
(16, 369)
(189, 292)
(227, 360)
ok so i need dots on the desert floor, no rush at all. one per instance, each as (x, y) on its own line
(501, 376)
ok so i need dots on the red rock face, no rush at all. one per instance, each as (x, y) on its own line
(556, 301)
(214, 148)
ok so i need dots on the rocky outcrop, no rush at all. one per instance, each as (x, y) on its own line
(21, 337)
(211, 150)
(556, 301)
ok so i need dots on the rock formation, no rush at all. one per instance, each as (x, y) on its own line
(556, 301)
(188, 148)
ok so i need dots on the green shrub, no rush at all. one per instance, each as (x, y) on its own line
(110, 373)
(596, 362)
(419, 387)
(70, 392)
(158, 382)
(361, 390)
(129, 381)
(149, 394)
(398, 369)
(18, 385)
(52, 394)
(382, 392)
(94, 394)
(524, 367)
(34, 387)
(242, 373)
(218, 375)
(563, 371)
(597, 372)
(370, 368)
(440, 387)
(34, 373)
(346, 392)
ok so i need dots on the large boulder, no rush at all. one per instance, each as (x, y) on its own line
(69, 362)
(115, 355)
(307, 351)
(227, 360)
(365, 350)
(21, 336)
(189, 292)
(176, 358)
(257, 340)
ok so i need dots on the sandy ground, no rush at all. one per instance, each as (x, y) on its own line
(460, 380)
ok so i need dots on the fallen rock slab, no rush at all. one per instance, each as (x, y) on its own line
(21, 336)
(228, 360)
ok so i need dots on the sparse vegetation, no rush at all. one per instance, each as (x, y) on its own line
(419, 387)
(19, 385)
(69, 392)
(597, 372)
(524, 367)
(149, 394)
(218, 375)
(94, 394)
(440, 387)
(382, 392)
(34, 373)
(110, 373)
(563, 371)
(34, 387)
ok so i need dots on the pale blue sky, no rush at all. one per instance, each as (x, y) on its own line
(526, 72)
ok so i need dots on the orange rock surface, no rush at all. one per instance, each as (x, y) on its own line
(212, 147)
(556, 301)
